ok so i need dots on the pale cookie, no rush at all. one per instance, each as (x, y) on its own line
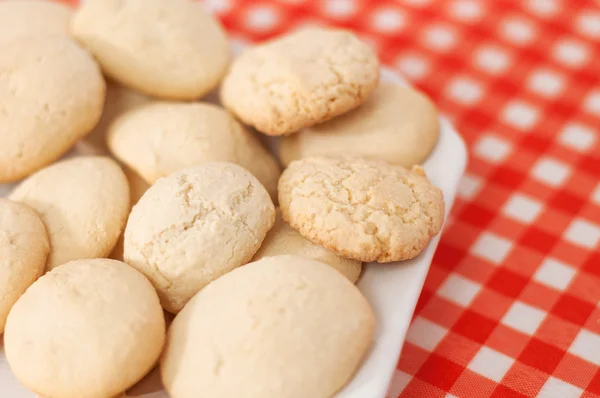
(195, 225)
(170, 49)
(397, 124)
(22, 18)
(83, 202)
(23, 250)
(280, 327)
(300, 80)
(89, 328)
(283, 239)
(51, 95)
(119, 99)
(160, 138)
(362, 209)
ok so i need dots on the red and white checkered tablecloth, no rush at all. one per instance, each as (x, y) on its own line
(511, 306)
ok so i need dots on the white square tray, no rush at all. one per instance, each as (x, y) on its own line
(392, 289)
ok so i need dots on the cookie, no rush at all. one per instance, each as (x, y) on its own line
(83, 202)
(397, 124)
(299, 80)
(89, 328)
(51, 93)
(361, 209)
(23, 250)
(160, 138)
(283, 239)
(170, 49)
(119, 99)
(280, 327)
(195, 225)
(23, 18)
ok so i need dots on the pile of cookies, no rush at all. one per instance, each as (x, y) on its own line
(173, 207)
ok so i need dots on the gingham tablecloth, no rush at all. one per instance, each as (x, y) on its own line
(511, 305)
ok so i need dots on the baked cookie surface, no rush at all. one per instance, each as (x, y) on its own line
(89, 328)
(396, 124)
(195, 225)
(23, 250)
(52, 93)
(170, 49)
(283, 239)
(280, 327)
(160, 138)
(299, 80)
(83, 202)
(22, 18)
(362, 209)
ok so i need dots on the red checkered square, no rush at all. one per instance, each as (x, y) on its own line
(541, 355)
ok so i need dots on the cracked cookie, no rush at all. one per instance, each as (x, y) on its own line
(22, 18)
(283, 239)
(362, 209)
(83, 202)
(89, 328)
(280, 327)
(160, 138)
(300, 79)
(170, 49)
(23, 250)
(51, 95)
(195, 225)
(396, 124)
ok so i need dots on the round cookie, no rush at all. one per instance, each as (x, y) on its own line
(83, 202)
(195, 225)
(23, 250)
(280, 327)
(22, 18)
(300, 79)
(171, 49)
(51, 93)
(362, 209)
(283, 239)
(119, 99)
(397, 124)
(160, 138)
(89, 328)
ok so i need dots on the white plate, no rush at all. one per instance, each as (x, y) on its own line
(392, 289)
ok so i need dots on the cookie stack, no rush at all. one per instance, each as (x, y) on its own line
(181, 195)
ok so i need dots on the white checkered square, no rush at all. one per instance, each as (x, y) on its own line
(398, 383)
(587, 346)
(571, 53)
(522, 208)
(592, 103)
(583, 233)
(556, 388)
(425, 334)
(490, 363)
(578, 136)
(554, 274)
(467, 10)
(546, 83)
(595, 197)
(469, 186)
(519, 31)
(459, 290)
(465, 90)
(492, 148)
(413, 66)
(551, 171)
(520, 114)
(523, 317)
(491, 247)
(543, 8)
(492, 59)
(588, 23)
(440, 38)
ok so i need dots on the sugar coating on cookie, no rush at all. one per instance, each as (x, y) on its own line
(299, 80)
(195, 225)
(160, 138)
(83, 202)
(283, 239)
(89, 328)
(52, 93)
(362, 209)
(24, 247)
(280, 327)
(23, 18)
(396, 124)
(170, 49)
